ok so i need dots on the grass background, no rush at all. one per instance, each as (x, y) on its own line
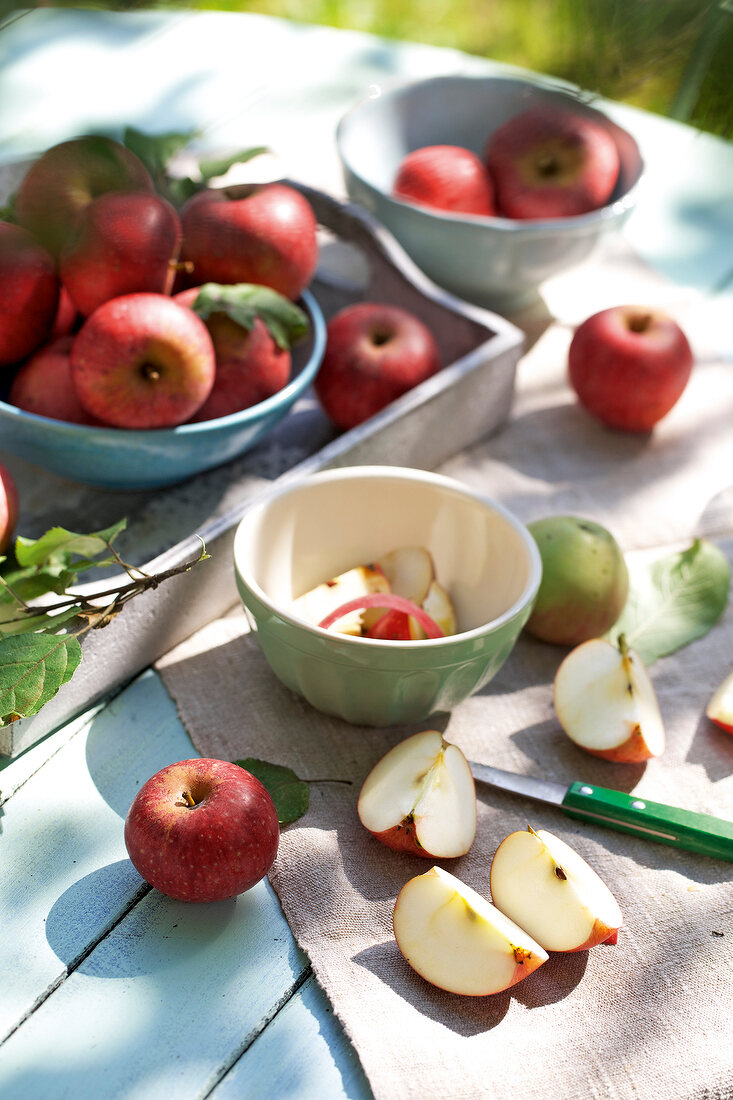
(672, 57)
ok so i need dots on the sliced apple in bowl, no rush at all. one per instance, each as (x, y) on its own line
(420, 798)
(459, 941)
(318, 602)
(545, 886)
(605, 701)
(720, 707)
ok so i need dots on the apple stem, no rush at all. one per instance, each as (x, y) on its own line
(188, 798)
(640, 322)
(151, 372)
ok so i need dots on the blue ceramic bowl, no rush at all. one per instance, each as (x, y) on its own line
(115, 458)
(497, 263)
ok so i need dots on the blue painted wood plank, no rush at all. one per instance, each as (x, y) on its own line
(304, 1053)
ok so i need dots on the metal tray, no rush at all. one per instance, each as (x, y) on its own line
(467, 400)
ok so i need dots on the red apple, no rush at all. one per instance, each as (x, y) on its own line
(9, 507)
(549, 162)
(143, 361)
(629, 365)
(202, 830)
(446, 177)
(266, 235)
(44, 385)
(66, 317)
(250, 366)
(374, 354)
(29, 291)
(125, 242)
(65, 178)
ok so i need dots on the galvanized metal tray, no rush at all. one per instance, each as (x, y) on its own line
(470, 398)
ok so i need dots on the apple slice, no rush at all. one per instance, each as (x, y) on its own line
(420, 798)
(439, 607)
(410, 572)
(720, 707)
(457, 940)
(548, 888)
(605, 701)
(319, 602)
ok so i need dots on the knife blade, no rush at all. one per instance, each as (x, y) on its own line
(628, 813)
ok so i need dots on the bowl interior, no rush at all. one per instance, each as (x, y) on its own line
(323, 526)
(374, 137)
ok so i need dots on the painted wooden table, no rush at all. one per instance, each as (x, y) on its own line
(110, 989)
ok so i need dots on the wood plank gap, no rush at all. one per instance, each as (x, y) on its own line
(142, 891)
(222, 1070)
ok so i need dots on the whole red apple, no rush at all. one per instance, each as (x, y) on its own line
(629, 365)
(143, 361)
(202, 830)
(374, 354)
(44, 385)
(9, 507)
(445, 177)
(265, 235)
(549, 162)
(29, 291)
(125, 242)
(65, 178)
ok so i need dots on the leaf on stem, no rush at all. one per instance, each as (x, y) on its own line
(290, 794)
(245, 302)
(32, 669)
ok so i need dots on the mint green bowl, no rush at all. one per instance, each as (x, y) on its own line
(324, 524)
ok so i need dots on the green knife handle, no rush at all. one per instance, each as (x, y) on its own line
(708, 836)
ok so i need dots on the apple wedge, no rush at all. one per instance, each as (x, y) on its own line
(420, 798)
(720, 707)
(605, 701)
(318, 602)
(545, 886)
(410, 571)
(439, 607)
(457, 940)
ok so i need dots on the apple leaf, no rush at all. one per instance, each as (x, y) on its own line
(156, 150)
(32, 669)
(674, 600)
(290, 794)
(53, 562)
(244, 302)
(219, 166)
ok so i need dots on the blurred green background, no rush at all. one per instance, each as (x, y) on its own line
(672, 57)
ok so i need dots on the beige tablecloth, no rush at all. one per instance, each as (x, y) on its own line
(649, 1018)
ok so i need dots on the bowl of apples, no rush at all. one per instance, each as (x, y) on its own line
(383, 594)
(491, 184)
(143, 342)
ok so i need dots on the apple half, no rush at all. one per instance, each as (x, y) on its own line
(420, 798)
(720, 707)
(605, 701)
(545, 886)
(459, 941)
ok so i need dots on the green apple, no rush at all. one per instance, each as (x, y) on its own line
(585, 581)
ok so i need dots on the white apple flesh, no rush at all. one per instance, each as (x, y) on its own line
(720, 707)
(318, 602)
(547, 888)
(457, 940)
(605, 701)
(420, 798)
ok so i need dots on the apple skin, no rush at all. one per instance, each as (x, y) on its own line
(65, 178)
(67, 316)
(143, 361)
(629, 366)
(9, 507)
(213, 850)
(250, 367)
(374, 353)
(44, 385)
(551, 163)
(445, 177)
(125, 242)
(266, 235)
(29, 293)
(585, 580)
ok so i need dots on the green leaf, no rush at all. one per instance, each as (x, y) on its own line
(58, 544)
(290, 794)
(219, 166)
(15, 620)
(244, 302)
(32, 669)
(156, 150)
(674, 600)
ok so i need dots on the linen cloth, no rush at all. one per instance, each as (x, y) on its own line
(648, 1018)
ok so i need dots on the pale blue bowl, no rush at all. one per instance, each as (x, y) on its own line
(496, 263)
(115, 458)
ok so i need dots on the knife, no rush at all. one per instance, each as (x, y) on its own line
(700, 833)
